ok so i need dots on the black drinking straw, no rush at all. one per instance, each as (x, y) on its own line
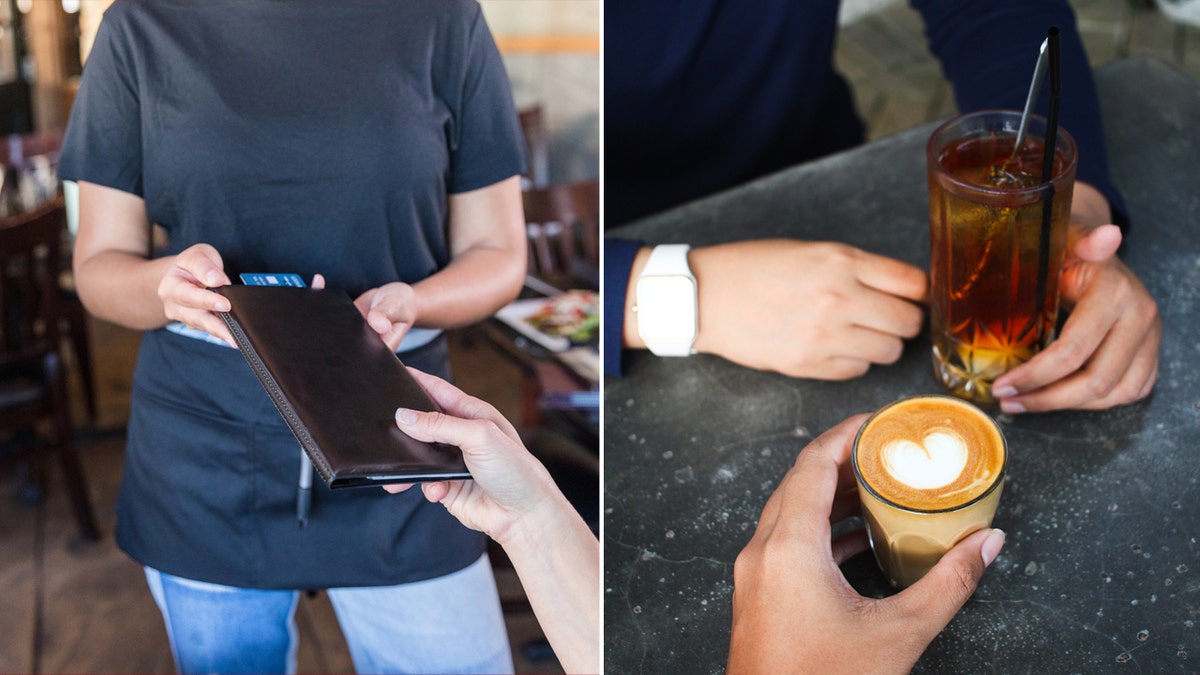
(1048, 169)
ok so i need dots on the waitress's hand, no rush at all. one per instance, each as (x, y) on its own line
(794, 611)
(391, 310)
(184, 294)
(508, 484)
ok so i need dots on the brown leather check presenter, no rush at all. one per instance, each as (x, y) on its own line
(336, 384)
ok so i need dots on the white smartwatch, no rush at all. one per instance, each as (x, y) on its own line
(666, 304)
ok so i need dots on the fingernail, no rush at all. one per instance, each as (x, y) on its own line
(992, 545)
(1013, 407)
(1004, 392)
(212, 278)
(406, 416)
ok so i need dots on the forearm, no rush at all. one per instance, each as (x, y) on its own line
(487, 258)
(558, 561)
(476, 284)
(122, 288)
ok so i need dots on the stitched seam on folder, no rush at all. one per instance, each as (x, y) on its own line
(276, 395)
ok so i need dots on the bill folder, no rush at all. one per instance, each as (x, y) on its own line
(336, 384)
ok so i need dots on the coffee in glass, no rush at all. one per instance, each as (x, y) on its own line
(930, 472)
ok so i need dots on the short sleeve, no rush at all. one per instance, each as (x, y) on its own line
(103, 142)
(488, 145)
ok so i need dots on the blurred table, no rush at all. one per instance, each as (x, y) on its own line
(1102, 567)
(562, 378)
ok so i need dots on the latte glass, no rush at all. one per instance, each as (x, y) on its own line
(930, 471)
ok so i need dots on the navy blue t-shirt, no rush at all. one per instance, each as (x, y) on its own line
(296, 137)
(703, 95)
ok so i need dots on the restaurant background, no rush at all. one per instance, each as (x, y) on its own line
(71, 605)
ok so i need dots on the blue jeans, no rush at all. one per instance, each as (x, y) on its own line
(451, 624)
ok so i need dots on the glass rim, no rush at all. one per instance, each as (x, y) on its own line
(950, 509)
(1062, 136)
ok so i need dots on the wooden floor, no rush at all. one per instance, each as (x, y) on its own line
(69, 606)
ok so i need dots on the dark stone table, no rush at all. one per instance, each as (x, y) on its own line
(1101, 571)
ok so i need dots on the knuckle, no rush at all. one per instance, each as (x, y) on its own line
(849, 369)
(1099, 385)
(913, 321)
(839, 253)
(827, 300)
(1071, 353)
(892, 351)
(745, 562)
(961, 583)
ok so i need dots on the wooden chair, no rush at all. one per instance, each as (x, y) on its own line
(563, 228)
(20, 154)
(33, 385)
(537, 147)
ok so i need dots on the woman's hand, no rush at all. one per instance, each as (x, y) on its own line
(1107, 354)
(513, 499)
(794, 611)
(184, 294)
(508, 484)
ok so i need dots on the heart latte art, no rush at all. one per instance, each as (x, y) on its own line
(929, 453)
(936, 462)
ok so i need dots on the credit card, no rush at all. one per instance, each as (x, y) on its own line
(270, 279)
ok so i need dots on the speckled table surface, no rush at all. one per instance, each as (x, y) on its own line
(1102, 567)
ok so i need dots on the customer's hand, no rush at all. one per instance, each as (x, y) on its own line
(508, 483)
(184, 294)
(513, 499)
(1107, 354)
(805, 309)
(793, 610)
(390, 309)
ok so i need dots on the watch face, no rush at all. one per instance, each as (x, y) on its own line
(666, 308)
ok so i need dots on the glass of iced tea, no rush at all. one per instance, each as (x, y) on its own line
(998, 237)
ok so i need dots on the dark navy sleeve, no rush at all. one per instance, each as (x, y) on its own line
(489, 146)
(988, 51)
(618, 265)
(103, 142)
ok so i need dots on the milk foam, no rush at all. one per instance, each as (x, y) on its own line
(935, 462)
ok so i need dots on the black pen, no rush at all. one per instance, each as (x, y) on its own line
(304, 489)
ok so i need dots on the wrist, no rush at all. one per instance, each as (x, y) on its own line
(630, 337)
(530, 528)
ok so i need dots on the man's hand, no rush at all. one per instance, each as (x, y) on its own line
(805, 309)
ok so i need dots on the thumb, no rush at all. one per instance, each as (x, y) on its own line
(1097, 245)
(937, 597)
(437, 427)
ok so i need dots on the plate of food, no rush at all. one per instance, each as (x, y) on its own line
(572, 317)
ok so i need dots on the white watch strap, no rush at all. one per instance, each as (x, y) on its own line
(671, 260)
(668, 259)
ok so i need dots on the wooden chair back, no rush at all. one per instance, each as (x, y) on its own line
(563, 227)
(30, 296)
(33, 385)
(537, 147)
